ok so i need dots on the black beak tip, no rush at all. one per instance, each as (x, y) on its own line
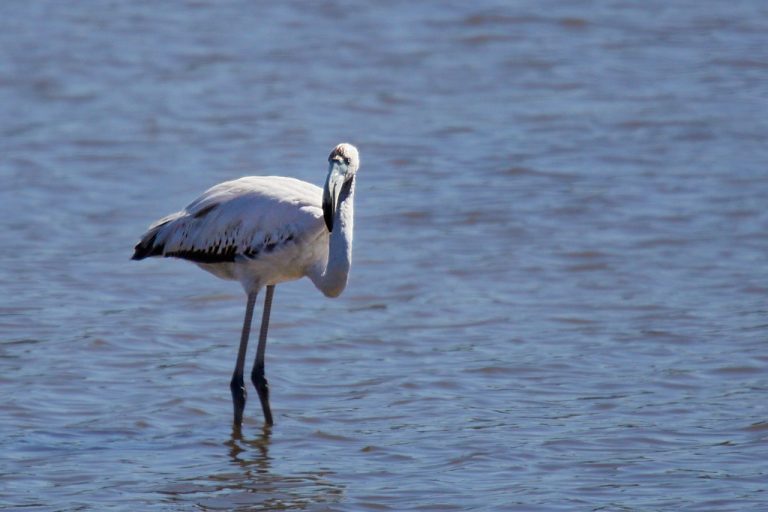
(328, 216)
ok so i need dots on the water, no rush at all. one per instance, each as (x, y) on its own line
(558, 298)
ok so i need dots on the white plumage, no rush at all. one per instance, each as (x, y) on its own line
(264, 227)
(261, 231)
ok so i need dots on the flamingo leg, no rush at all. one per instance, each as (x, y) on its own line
(257, 375)
(236, 385)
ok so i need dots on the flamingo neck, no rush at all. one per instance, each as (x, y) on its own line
(333, 278)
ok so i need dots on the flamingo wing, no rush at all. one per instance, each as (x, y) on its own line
(238, 219)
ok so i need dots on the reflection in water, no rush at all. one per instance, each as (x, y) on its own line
(250, 454)
(252, 482)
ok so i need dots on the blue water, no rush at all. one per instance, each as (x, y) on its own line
(558, 295)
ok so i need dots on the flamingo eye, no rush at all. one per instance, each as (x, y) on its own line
(346, 161)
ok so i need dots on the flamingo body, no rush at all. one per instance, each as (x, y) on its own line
(258, 230)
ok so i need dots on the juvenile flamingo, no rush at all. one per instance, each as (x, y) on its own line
(261, 231)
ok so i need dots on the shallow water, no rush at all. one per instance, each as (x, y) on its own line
(558, 299)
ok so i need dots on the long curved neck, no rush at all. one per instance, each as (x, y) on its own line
(333, 278)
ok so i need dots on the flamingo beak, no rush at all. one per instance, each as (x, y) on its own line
(337, 173)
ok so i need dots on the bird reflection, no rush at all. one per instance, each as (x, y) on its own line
(250, 452)
(247, 477)
(257, 484)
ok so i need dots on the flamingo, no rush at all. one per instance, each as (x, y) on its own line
(261, 231)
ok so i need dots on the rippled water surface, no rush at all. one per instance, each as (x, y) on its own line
(558, 299)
